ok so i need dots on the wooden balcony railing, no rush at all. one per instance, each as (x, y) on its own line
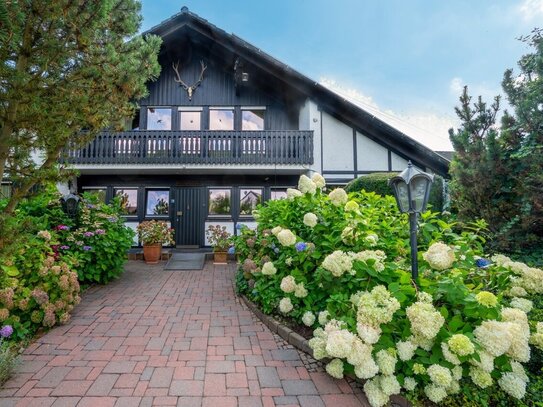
(197, 147)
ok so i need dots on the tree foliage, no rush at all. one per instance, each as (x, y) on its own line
(497, 169)
(68, 69)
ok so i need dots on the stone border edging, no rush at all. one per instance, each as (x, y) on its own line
(293, 338)
(299, 342)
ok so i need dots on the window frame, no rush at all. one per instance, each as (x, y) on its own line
(250, 188)
(222, 108)
(145, 198)
(88, 189)
(129, 215)
(157, 108)
(190, 109)
(229, 215)
(250, 109)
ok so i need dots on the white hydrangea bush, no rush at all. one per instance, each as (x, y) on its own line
(339, 263)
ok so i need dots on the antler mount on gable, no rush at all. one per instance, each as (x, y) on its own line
(190, 89)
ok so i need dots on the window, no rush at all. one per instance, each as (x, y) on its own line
(252, 119)
(221, 119)
(159, 119)
(248, 200)
(157, 202)
(96, 193)
(189, 120)
(129, 200)
(278, 194)
(219, 201)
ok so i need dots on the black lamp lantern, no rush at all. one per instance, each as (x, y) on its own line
(412, 190)
(70, 204)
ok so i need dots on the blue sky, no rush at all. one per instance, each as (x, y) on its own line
(406, 59)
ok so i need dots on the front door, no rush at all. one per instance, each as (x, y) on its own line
(189, 216)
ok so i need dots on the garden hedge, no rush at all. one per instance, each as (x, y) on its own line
(378, 182)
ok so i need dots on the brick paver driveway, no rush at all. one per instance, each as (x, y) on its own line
(158, 337)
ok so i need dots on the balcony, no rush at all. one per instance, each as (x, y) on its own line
(268, 147)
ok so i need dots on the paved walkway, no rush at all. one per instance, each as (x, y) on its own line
(169, 338)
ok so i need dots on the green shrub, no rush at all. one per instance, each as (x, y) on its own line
(378, 183)
(8, 361)
(98, 243)
(340, 264)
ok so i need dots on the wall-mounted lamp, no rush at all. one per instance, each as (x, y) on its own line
(245, 77)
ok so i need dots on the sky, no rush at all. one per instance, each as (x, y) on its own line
(406, 61)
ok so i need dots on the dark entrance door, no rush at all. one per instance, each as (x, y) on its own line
(189, 216)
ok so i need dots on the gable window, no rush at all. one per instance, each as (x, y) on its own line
(159, 118)
(129, 200)
(219, 201)
(252, 118)
(248, 200)
(157, 202)
(221, 119)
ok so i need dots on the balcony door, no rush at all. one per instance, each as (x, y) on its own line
(189, 215)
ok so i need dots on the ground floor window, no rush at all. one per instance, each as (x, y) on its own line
(278, 193)
(99, 194)
(129, 200)
(157, 202)
(219, 201)
(5, 190)
(249, 199)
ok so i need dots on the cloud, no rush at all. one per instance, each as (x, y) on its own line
(456, 86)
(428, 128)
(531, 9)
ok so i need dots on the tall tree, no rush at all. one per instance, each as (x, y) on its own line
(68, 69)
(497, 170)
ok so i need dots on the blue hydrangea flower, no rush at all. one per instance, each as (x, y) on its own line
(87, 248)
(231, 250)
(276, 250)
(239, 226)
(300, 246)
(64, 247)
(482, 263)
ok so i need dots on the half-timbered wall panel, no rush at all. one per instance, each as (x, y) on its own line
(371, 156)
(337, 144)
(398, 163)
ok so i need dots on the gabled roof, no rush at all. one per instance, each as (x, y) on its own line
(334, 104)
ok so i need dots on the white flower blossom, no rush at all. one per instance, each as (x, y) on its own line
(439, 256)
(310, 219)
(513, 385)
(306, 185)
(425, 320)
(335, 368)
(286, 237)
(288, 284)
(268, 269)
(319, 181)
(406, 350)
(409, 383)
(308, 318)
(339, 343)
(337, 263)
(386, 361)
(338, 197)
(435, 393)
(285, 305)
(293, 193)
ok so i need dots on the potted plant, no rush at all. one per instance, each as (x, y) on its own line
(219, 238)
(153, 234)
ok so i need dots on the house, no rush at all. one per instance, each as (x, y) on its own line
(226, 126)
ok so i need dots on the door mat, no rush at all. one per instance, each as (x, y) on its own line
(186, 261)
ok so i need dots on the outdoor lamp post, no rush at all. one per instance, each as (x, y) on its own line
(70, 204)
(411, 190)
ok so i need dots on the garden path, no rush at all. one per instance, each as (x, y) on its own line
(158, 337)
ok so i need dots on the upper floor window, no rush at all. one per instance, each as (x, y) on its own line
(252, 118)
(190, 120)
(221, 119)
(159, 118)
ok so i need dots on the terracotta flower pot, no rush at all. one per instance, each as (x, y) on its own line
(220, 257)
(152, 253)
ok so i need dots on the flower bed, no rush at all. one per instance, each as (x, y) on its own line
(339, 263)
(39, 283)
